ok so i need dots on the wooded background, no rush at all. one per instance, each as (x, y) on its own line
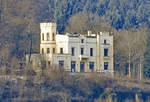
(128, 19)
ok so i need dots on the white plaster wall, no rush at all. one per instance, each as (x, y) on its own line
(66, 42)
(88, 43)
(109, 45)
(91, 43)
(74, 42)
(65, 58)
(48, 28)
(62, 42)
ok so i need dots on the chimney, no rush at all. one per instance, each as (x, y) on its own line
(89, 33)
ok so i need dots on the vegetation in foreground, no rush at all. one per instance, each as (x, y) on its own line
(59, 86)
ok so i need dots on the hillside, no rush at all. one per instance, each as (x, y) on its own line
(120, 14)
(56, 87)
(20, 32)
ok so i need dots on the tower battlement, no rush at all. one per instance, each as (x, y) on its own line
(48, 24)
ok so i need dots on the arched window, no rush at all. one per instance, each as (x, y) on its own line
(53, 36)
(43, 36)
(42, 51)
(48, 50)
(53, 50)
(48, 38)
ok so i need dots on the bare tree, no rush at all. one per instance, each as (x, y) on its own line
(141, 47)
(83, 21)
(131, 44)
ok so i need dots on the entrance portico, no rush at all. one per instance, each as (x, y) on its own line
(84, 60)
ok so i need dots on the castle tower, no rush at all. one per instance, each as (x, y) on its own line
(48, 35)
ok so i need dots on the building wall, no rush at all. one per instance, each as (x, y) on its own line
(48, 38)
(62, 42)
(109, 46)
(62, 57)
(67, 42)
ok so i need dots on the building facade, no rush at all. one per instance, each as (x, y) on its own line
(76, 52)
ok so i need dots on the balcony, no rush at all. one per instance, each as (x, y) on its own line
(106, 57)
(83, 57)
(105, 44)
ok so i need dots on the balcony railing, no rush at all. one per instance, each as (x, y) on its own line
(83, 57)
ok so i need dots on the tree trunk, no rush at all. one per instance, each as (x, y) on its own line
(129, 70)
(0, 10)
(140, 69)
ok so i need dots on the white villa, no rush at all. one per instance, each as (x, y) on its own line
(75, 52)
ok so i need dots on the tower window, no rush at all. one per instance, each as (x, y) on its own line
(43, 36)
(42, 51)
(91, 51)
(105, 65)
(82, 51)
(53, 50)
(105, 52)
(48, 50)
(53, 37)
(48, 37)
(72, 51)
(61, 50)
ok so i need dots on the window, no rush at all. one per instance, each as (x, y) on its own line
(42, 51)
(73, 66)
(82, 66)
(91, 51)
(91, 65)
(105, 52)
(53, 50)
(48, 50)
(72, 51)
(82, 40)
(82, 51)
(61, 63)
(48, 38)
(43, 36)
(53, 37)
(104, 41)
(61, 50)
(105, 65)
(49, 63)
